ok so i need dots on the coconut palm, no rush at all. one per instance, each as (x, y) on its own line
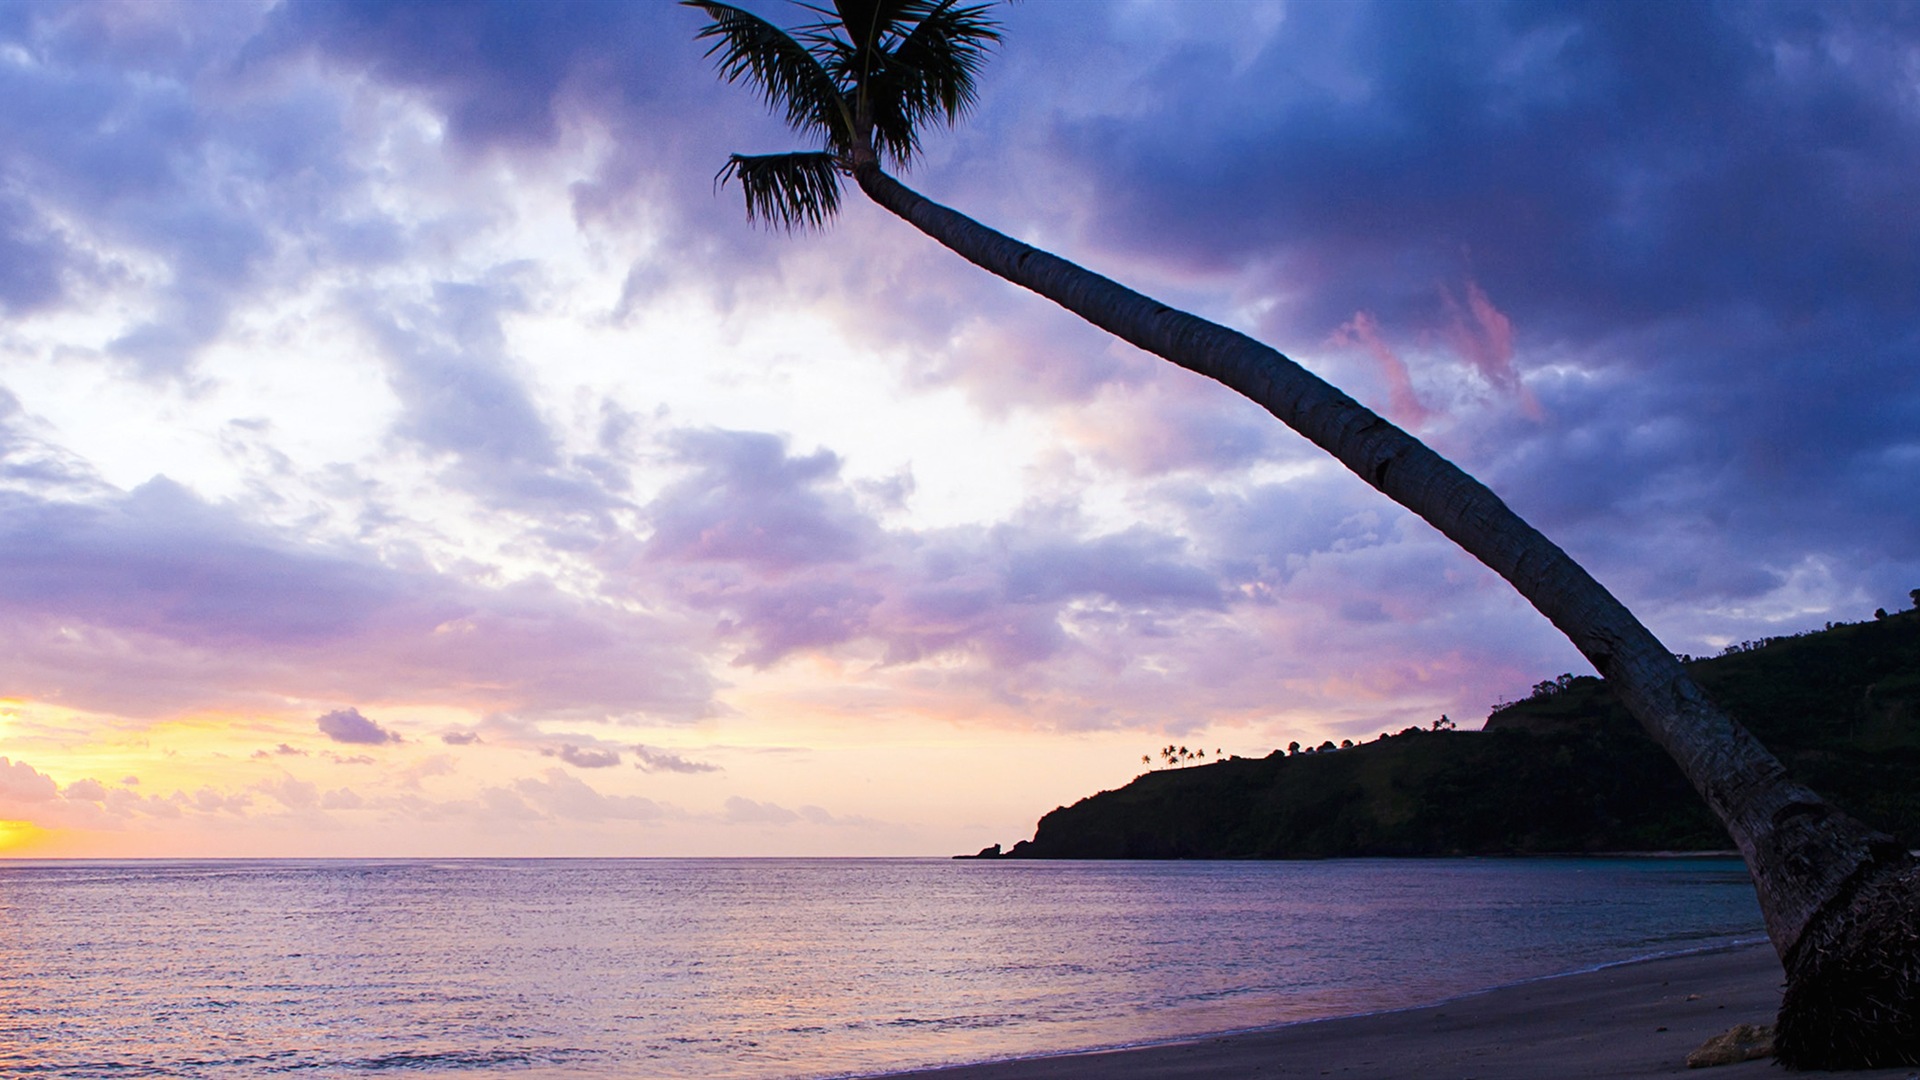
(1841, 901)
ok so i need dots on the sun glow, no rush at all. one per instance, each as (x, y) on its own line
(15, 836)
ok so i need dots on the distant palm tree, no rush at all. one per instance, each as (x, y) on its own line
(1841, 901)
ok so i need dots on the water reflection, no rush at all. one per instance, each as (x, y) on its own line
(772, 968)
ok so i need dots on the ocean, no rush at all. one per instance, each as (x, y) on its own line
(712, 969)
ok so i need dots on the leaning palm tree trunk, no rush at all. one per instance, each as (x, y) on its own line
(1841, 901)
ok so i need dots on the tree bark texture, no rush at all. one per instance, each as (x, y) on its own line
(1807, 858)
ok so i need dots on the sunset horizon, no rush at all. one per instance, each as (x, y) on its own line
(412, 450)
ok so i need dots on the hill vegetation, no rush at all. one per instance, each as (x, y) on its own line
(1564, 771)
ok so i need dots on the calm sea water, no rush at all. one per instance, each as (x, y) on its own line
(773, 968)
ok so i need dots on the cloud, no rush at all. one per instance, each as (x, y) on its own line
(474, 60)
(156, 600)
(120, 135)
(1051, 620)
(128, 561)
(567, 797)
(785, 618)
(1403, 404)
(450, 370)
(630, 71)
(209, 800)
(89, 790)
(341, 799)
(780, 548)
(34, 259)
(1138, 567)
(499, 804)
(291, 793)
(33, 463)
(752, 503)
(1004, 357)
(85, 804)
(463, 397)
(652, 760)
(1483, 335)
(772, 549)
(744, 811)
(1648, 273)
(120, 801)
(348, 726)
(1175, 422)
(1667, 247)
(584, 757)
(283, 750)
(22, 783)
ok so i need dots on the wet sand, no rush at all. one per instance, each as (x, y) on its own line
(1621, 1023)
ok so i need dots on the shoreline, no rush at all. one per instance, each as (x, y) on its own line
(1629, 1020)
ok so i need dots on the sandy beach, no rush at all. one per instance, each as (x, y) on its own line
(1622, 1023)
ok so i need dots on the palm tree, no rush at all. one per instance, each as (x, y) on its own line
(1841, 901)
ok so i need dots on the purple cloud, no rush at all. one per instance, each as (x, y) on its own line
(171, 564)
(770, 548)
(34, 260)
(508, 79)
(1675, 231)
(784, 618)
(283, 750)
(781, 549)
(652, 760)
(118, 130)
(1137, 568)
(1650, 274)
(751, 502)
(348, 726)
(584, 757)
(463, 398)
(474, 60)
(1174, 422)
(227, 611)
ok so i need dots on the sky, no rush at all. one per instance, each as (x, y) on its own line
(408, 448)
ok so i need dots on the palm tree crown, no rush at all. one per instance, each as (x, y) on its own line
(863, 80)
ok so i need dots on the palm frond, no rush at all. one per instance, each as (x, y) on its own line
(871, 22)
(861, 19)
(793, 191)
(940, 60)
(789, 77)
(928, 73)
(837, 56)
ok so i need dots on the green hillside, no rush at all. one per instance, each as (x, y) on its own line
(1564, 771)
